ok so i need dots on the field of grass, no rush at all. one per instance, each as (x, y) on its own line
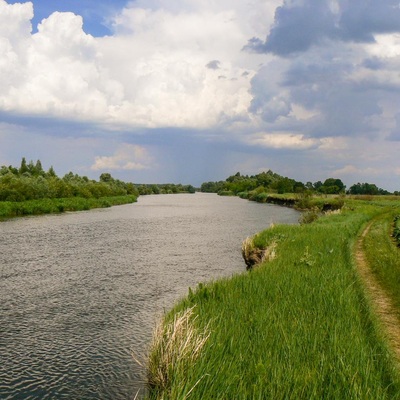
(296, 327)
(10, 209)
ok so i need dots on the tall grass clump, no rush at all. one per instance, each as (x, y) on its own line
(176, 346)
(297, 327)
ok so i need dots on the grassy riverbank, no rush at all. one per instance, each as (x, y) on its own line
(9, 209)
(297, 327)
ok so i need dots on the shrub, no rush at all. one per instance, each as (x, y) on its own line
(244, 195)
(261, 197)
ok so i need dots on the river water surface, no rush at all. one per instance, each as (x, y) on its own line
(80, 291)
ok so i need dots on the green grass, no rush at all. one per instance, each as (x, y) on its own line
(299, 201)
(396, 229)
(383, 255)
(297, 327)
(10, 209)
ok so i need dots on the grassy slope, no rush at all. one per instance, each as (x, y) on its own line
(10, 209)
(295, 328)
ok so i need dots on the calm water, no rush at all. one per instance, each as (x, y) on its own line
(80, 291)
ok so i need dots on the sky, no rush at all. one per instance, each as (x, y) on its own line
(189, 91)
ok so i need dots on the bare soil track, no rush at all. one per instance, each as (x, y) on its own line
(381, 303)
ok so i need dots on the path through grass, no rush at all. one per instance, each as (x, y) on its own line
(298, 327)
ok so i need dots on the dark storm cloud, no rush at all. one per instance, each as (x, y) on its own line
(345, 107)
(37, 124)
(298, 27)
(361, 19)
(269, 101)
(341, 106)
(342, 88)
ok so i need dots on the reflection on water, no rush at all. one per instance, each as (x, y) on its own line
(80, 291)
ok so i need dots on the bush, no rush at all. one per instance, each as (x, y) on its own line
(261, 197)
(244, 195)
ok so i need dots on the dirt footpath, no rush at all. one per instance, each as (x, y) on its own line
(380, 301)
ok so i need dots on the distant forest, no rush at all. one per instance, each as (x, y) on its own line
(30, 181)
(271, 182)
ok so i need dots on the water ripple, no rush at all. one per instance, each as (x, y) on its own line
(80, 291)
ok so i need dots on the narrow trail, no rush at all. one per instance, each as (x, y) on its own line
(380, 301)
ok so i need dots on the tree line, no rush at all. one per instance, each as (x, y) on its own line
(167, 188)
(31, 182)
(270, 181)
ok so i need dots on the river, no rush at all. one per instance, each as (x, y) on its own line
(79, 292)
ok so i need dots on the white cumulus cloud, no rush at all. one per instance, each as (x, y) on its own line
(127, 157)
(151, 73)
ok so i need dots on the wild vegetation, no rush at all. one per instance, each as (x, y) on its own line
(31, 182)
(300, 325)
(30, 189)
(269, 187)
(271, 183)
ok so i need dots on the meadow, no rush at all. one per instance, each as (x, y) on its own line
(299, 326)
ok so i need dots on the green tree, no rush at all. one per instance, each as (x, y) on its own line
(24, 167)
(285, 185)
(106, 177)
(332, 186)
(51, 172)
(38, 169)
(155, 189)
(364, 188)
